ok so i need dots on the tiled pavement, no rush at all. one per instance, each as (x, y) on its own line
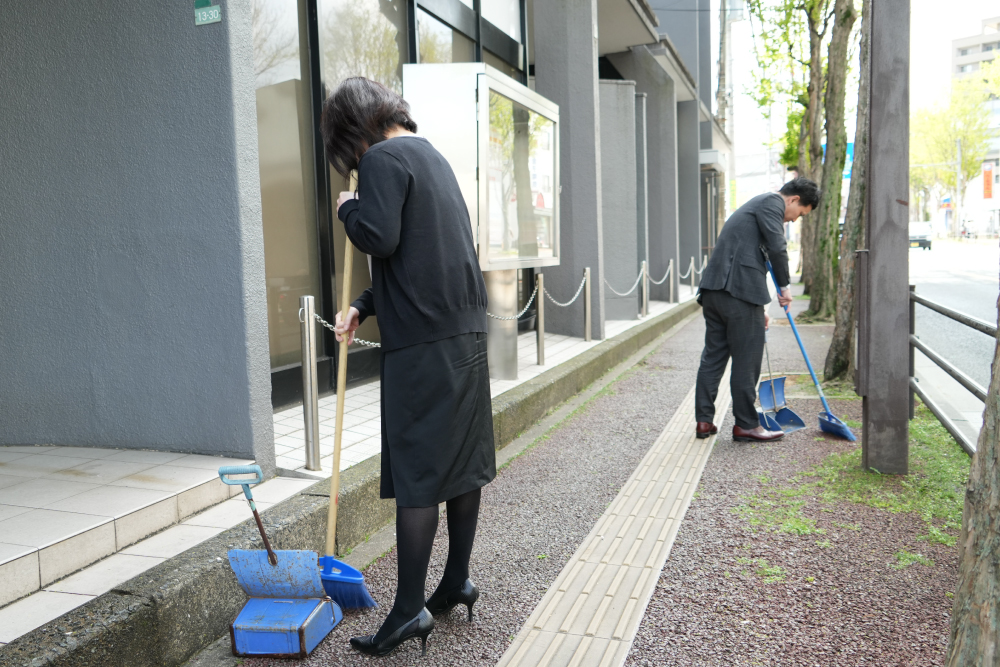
(64, 508)
(590, 614)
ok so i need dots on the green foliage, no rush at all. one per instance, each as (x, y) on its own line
(935, 134)
(793, 137)
(934, 489)
(904, 559)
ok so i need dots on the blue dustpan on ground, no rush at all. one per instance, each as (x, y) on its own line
(775, 415)
(827, 421)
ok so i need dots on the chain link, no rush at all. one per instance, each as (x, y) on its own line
(570, 302)
(366, 343)
(518, 316)
(660, 282)
(634, 285)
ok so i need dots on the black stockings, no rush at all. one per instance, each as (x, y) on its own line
(415, 530)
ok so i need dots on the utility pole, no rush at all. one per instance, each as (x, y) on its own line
(883, 308)
(956, 222)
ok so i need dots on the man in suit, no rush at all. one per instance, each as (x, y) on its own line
(733, 293)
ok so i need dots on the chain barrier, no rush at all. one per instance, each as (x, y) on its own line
(575, 296)
(523, 311)
(702, 269)
(664, 279)
(684, 276)
(634, 286)
(366, 343)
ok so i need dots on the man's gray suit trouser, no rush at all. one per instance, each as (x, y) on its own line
(733, 328)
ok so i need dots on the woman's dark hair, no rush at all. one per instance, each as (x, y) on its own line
(356, 117)
(807, 190)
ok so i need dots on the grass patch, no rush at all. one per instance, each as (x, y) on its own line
(934, 489)
(824, 544)
(763, 569)
(905, 559)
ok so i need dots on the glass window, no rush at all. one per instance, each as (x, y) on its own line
(287, 189)
(439, 43)
(495, 61)
(363, 38)
(521, 172)
(504, 14)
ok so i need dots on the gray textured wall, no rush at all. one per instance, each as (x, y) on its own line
(661, 129)
(679, 21)
(566, 73)
(618, 177)
(131, 251)
(706, 89)
(688, 186)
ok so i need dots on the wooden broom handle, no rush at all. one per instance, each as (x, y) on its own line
(331, 517)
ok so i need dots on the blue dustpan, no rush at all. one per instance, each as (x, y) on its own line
(827, 422)
(776, 415)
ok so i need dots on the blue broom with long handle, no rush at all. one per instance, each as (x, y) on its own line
(827, 422)
(343, 583)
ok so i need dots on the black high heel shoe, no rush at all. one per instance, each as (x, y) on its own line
(466, 594)
(420, 626)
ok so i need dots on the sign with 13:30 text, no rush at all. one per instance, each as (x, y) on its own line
(205, 12)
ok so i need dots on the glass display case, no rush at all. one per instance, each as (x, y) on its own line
(502, 140)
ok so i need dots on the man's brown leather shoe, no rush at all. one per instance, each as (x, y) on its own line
(705, 429)
(757, 434)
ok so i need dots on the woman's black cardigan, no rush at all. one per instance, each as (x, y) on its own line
(411, 218)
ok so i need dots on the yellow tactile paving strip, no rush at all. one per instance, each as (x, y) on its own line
(589, 617)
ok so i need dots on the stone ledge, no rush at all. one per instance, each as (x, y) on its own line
(167, 614)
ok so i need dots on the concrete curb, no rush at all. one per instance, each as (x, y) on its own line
(169, 613)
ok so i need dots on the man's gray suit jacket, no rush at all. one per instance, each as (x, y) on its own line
(737, 264)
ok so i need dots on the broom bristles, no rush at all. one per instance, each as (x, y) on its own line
(349, 595)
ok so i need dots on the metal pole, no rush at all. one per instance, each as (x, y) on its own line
(310, 392)
(670, 270)
(913, 330)
(540, 318)
(957, 223)
(692, 276)
(645, 288)
(586, 304)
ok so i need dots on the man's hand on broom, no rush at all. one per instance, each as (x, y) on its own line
(349, 327)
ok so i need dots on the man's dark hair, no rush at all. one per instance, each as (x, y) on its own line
(807, 190)
(356, 117)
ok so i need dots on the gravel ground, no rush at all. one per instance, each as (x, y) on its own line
(534, 516)
(709, 609)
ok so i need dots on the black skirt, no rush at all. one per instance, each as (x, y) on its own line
(437, 421)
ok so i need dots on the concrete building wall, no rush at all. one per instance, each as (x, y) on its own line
(619, 219)
(661, 129)
(688, 185)
(679, 21)
(565, 56)
(131, 251)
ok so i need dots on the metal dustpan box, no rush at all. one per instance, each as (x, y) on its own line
(288, 613)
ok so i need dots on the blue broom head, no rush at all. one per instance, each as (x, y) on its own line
(345, 584)
(834, 426)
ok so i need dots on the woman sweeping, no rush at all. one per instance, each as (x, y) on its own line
(430, 299)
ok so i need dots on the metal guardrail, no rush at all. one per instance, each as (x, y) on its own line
(974, 387)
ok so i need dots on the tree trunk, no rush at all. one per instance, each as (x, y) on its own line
(975, 615)
(827, 228)
(840, 357)
(813, 114)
